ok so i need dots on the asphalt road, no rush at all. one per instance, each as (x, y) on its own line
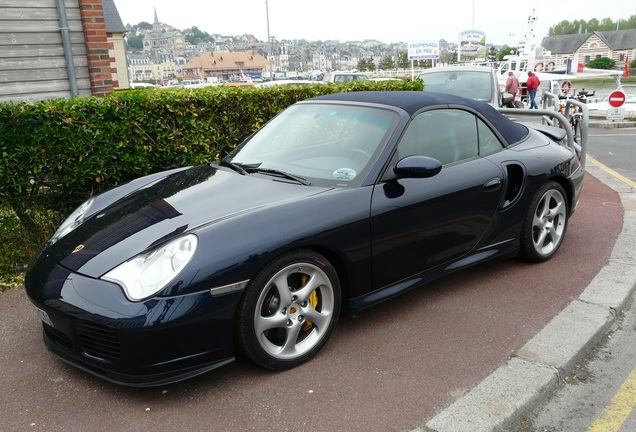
(615, 148)
(390, 368)
(599, 394)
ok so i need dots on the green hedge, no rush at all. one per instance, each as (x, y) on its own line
(75, 148)
(57, 153)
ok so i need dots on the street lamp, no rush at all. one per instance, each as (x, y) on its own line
(269, 40)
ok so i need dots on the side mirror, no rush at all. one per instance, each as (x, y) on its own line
(417, 167)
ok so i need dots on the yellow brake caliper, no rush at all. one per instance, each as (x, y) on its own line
(313, 301)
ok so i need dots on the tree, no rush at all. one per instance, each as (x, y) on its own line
(582, 26)
(424, 64)
(506, 51)
(371, 64)
(601, 63)
(196, 36)
(136, 42)
(363, 65)
(387, 63)
(366, 65)
(491, 55)
(403, 60)
(450, 57)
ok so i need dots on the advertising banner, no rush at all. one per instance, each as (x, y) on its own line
(423, 50)
(472, 44)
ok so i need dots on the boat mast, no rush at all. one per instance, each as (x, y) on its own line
(528, 44)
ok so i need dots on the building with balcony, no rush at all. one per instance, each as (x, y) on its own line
(224, 65)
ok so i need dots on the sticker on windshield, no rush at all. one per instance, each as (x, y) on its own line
(344, 174)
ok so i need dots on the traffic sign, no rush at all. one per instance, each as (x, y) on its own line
(616, 114)
(616, 98)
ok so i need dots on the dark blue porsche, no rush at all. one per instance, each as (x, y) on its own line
(339, 202)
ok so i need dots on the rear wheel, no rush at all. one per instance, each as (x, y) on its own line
(289, 310)
(545, 223)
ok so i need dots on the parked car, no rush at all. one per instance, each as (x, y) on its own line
(287, 82)
(474, 82)
(339, 202)
(139, 85)
(344, 77)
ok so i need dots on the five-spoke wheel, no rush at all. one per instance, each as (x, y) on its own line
(545, 223)
(289, 310)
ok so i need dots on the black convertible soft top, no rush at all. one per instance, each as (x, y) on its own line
(413, 101)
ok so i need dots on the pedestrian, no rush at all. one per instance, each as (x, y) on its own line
(512, 87)
(532, 85)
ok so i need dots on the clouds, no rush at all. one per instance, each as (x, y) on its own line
(408, 20)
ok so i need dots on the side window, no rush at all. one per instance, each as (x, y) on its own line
(488, 141)
(446, 135)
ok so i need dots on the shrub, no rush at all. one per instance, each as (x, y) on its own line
(57, 153)
(601, 63)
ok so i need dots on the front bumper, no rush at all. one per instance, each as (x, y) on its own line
(90, 324)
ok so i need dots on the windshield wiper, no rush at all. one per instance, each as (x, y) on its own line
(232, 166)
(301, 180)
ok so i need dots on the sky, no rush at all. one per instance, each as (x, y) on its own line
(388, 21)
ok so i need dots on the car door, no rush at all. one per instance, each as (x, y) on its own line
(420, 223)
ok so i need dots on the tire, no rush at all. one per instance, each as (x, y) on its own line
(545, 223)
(289, 310)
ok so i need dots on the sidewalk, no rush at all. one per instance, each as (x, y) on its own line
(598, 119)
(536, 370)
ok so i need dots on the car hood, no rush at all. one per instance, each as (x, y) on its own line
(165, 208)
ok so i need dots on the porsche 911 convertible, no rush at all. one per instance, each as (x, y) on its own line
(339, 202)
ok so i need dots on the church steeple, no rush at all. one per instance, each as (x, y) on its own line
(156, 26)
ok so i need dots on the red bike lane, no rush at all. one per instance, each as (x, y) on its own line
(388, 368)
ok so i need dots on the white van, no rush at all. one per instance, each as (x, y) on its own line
(344, 77)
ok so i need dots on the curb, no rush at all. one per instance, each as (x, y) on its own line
(598, 120)
(511, 391)
(611, 124)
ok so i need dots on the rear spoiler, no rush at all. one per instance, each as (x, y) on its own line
(552, 123)
(553, 132)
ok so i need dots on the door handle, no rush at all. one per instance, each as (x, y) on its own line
(492, 184)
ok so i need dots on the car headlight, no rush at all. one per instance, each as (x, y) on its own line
(148, 273)
(73, 221)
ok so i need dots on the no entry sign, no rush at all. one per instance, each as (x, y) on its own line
(616, 98)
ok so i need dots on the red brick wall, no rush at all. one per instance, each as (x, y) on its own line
(97, 47)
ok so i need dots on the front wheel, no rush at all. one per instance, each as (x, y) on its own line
(545, 223)
(289, 310)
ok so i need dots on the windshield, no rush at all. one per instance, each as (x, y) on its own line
(469, 84)
(328, 145)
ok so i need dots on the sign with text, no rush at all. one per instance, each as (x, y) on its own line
(423, 50)
(616, 113)
(472, 44)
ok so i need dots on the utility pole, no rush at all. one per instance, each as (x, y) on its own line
(269, 40)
